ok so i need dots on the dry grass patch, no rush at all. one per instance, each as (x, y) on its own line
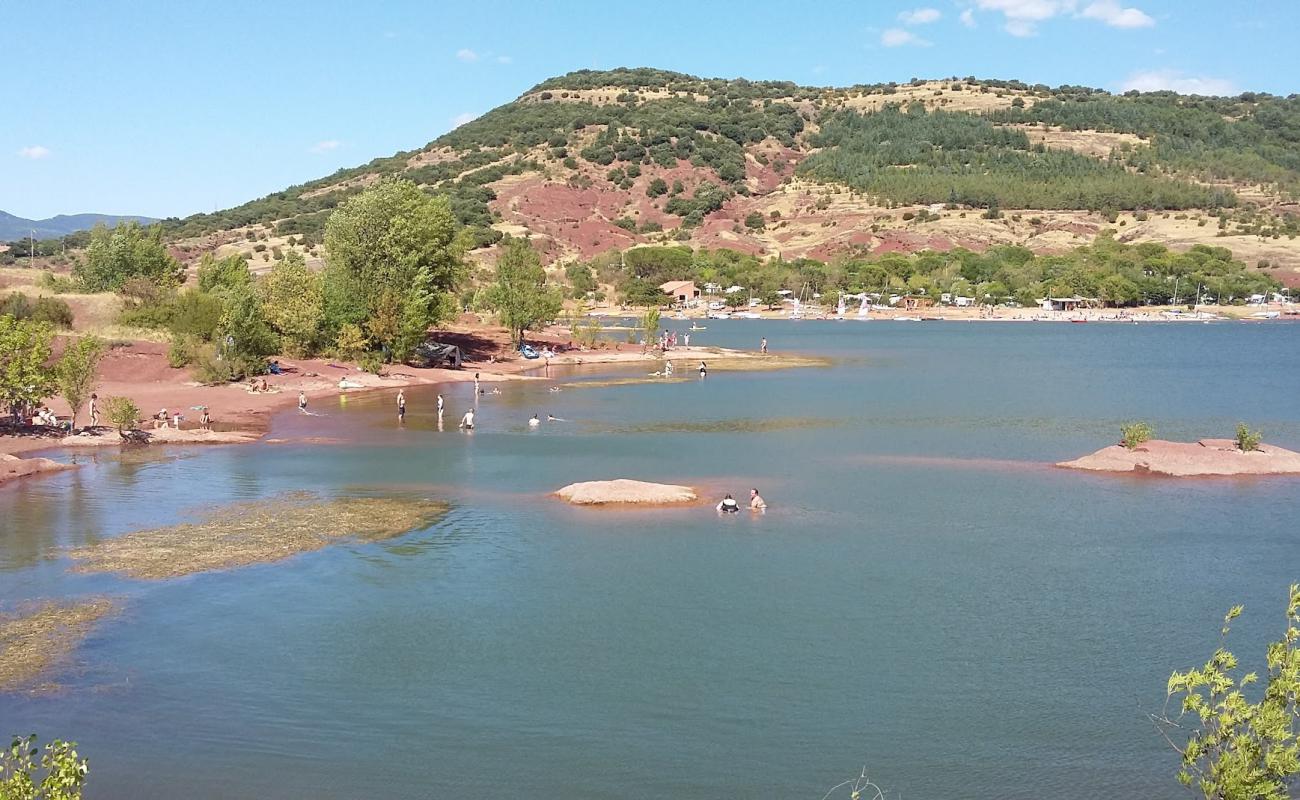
(256, 532)
(37, 638)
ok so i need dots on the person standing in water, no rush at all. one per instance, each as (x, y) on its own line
(762, 346)
(467, 421)
(756, 501)
(476, 389)
(534, 422)
(441, 406)
(401, 406)
(728, 505)
(302, 402)
(704, 370)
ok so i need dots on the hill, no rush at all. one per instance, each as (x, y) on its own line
(14, 227)
(592, 161)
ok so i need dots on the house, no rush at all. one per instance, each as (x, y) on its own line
(963, 302)
(680, 291)
(1060, 303)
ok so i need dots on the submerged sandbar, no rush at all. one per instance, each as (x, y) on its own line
(256, 532)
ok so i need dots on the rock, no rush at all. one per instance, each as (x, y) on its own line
(623, 491)
(1207, 457)
(12, 466)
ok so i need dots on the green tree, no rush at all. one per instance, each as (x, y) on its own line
(293, 303)
(1118, 290)
(1237, 749)
(25, 380)
(30, 772)
(215, 273)
(754, 221)
(246, 337)
(656, 188)
(650, 324)
(75, 373)
(123, 413)
(127, 251)
(520, 295)
(391, 239)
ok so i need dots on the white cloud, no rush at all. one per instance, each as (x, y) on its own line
(968, 18)
(1021, 17)
(325, 146)
(34, 153)
(1111, 13)
(1172, 80)
(920, 16)
(467, 55)
(462, 118)
(897, 37)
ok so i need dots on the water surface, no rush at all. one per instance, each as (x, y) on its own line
(925, 596)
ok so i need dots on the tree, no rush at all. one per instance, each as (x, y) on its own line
(1239, 750)
(246, 337)
(754, 221)
(656, 188)
(127, 251)
(520, 295)
(650, 324)
(771, 298)
(214, 273)
(391, 239)
(123, 413)
(20, 771)
(1117, 290)
(24, 351)
(75, 373)
(293, 303)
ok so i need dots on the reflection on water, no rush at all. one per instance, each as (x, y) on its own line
(919, 574)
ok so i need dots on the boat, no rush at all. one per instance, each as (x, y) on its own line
(695, 327)
(747, 315)
(528, 352)
(908, 319)
(1266, 314)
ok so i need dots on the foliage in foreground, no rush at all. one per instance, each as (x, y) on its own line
(1232, 748)
(1135, 433)
(52, 772)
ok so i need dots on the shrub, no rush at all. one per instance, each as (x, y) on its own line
(754, 221)
(21, 772)
(1135, 433)
(1247, 440)
(209, 367)
(52, 310)
(371, 362)
(122, 413)
(350, 342)
(181, 351)
(58, 284)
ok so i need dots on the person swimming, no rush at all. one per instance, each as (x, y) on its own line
(728, 505)
(704, 370)
(534, 422)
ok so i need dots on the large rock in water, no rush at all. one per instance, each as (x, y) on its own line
(1208, 457)
(623, 491)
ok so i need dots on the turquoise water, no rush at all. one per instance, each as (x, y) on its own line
(924, 596)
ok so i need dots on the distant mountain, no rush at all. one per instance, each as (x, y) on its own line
(12, 227)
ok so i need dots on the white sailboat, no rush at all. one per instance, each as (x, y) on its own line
(865, 307)
(839, 309)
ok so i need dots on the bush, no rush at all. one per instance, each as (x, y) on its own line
(21, 772)
(52, 310)
(58, 284)
(1247, 440)
(210, 368)
(754, 221)
(122, 413)
(181, 351)
(1135, 433)
(371, 362)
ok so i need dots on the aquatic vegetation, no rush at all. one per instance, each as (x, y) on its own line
(37, 638)
(256, 532)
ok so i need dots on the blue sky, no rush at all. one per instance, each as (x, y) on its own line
(168, 108)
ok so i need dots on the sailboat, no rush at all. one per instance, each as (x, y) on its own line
(839, 309)
(865, 307)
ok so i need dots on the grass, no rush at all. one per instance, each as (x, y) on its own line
(37, 638)
(256, 532)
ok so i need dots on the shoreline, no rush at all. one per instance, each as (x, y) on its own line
(242, 417)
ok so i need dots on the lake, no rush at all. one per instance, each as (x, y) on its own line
(924, 597)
